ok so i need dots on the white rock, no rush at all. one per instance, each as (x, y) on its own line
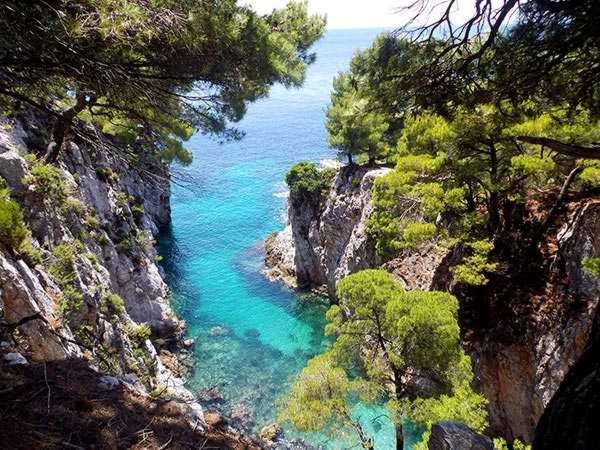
(15, 359)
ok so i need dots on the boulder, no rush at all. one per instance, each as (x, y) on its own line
(271, 433)
(214, 419)
(457, 436)
(15, 359)
(13, 168)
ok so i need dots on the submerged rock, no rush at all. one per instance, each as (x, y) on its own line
(218, 331)
(271, 433)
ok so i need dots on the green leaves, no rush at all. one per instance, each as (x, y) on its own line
(473, 269)
(151, 73)
(12, 227)
(306, 178)
(319, 397)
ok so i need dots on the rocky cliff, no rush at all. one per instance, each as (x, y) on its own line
(325, 238)
(524, 331)
(88, 288)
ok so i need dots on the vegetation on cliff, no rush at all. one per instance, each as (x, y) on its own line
(388, 342)
(149, 74)
(472, 136)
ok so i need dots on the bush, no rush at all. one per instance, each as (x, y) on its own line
(306, 178)
(416, 233)
(472, 270)
(591, 266)
(47, 180)
(62, 267)
(138, 333)
(12, 227)
(115, 303)
(71, 300)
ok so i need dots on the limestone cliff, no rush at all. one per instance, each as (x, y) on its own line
(94, 292)
(524, 330)
(326, 237)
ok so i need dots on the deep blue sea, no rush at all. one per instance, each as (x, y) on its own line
(252, 336)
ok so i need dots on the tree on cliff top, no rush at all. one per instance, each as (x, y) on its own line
(148, 72)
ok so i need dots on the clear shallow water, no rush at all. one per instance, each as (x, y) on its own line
(253, 336)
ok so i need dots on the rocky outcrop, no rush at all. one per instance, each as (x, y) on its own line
(522, 357)
(105, 220)
(326, 237)
(457, 436)
(524, 330)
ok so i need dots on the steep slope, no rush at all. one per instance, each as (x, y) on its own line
(87, 297)
(524, 330)
(326, 238)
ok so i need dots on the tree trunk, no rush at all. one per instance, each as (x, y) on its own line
(350, 162)
(399, 437)
(494, 199)
(63, 124)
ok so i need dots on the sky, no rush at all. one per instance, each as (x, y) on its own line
(344, 14)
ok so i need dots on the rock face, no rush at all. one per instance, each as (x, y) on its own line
(326, 238)
(457, 436)
(520, 371)
(522, 340)
(571, 418)
(112, 212)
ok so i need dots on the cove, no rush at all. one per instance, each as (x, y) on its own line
(252, 336)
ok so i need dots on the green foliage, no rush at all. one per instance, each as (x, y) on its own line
(381, 327)
(47, 180)
(473, 268)
(161, 70)
(461, 404)
(138, 210)
(590, 176)
(500, 444)
(106, 174)
(63, 264)
(382, 333)
(353, 128)
(12, 227)
(71, 300)
(306, 178)
(139, 333)
(115, 303)
(591, 266)
(318, 398)
(14, 234)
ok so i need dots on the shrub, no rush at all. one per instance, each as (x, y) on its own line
(416, 233)
(472, 270)
(12, 227)
(306, 178)
(591, 266)
(115, 303)
(71, 300)
(138, 211)
(138, 333)
(62, 267)
(106, 174)
(48, 180)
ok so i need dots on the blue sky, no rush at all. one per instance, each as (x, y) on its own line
(357, 13)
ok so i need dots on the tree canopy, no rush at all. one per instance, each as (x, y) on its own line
(388, 338)
(150, 73)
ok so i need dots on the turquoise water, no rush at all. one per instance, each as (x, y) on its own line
(252, 336)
